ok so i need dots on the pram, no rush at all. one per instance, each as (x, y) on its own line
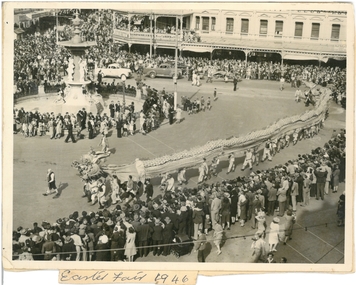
(182, 245)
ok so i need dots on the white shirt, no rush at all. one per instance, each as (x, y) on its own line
(77, 240)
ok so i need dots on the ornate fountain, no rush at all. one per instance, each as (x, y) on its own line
(77, 95)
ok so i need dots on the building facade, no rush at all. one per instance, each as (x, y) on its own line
(303, 34)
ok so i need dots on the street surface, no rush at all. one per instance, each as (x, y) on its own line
(255, 105)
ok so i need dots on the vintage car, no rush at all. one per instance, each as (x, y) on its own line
(221, 75)
(164, 70)
(115, 70)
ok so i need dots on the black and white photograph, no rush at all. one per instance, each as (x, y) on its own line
(207, 136)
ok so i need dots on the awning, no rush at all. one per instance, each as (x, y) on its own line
(19, 31)
(24, 18)
(198, 49)
(305, 57)
(339, 58)
(300, 57)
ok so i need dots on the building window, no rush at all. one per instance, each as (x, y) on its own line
(205, 26)
(335, 32)
(315, 31)
(213, 23)
(244, 26)
(229, 25)
(298, 33)
(197, 23)
(279, 29)
(263, 27)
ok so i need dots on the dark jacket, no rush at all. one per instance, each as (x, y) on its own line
(320, 176)
(198, 216)
(144, 232)
(157, 233)
(168, 233)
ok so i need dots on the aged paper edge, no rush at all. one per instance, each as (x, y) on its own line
(8, 264)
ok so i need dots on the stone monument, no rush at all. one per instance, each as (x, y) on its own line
(77, 95)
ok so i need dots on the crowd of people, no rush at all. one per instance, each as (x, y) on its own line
(131, 223)
(38, 60)
(31, 124)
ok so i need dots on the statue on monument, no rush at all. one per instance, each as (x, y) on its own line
(70, 69)
(82, 69)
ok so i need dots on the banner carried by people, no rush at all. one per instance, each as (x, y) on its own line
(238, 145)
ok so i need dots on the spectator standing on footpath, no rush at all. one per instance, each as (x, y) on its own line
(335, 177)
(288, 226)
(215, 209)
(341, 210)
(272, 197)
(321, 175)
(200, 246)
(218, 235)
(259, 248)
(274, 234)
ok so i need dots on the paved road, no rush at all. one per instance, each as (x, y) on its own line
(232, 114)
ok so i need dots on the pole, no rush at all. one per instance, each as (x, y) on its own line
(282, 54)
(56, 27)
(176, 67)
(123, 96)
(151, 36)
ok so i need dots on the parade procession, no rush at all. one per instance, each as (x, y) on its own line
(214, 136)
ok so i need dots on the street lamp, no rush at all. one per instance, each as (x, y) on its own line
(123, 97)
(151, 35)
(176, 67)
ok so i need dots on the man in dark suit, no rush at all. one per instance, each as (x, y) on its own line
(69, 127)
(80, 119)
(235, 82)
(168, 235)
(91, 127)
(157, 237)
(112, 109)
(84, 118)
(117, 107)
(144, 232)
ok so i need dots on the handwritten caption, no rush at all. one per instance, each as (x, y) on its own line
(112, 276)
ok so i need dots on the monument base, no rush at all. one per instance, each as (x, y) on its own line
(75, 100)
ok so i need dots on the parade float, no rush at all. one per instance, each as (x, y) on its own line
(239, 144)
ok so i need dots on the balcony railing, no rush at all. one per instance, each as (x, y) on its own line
(214, 36)
(145, 36)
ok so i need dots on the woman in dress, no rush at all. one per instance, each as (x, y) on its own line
(50, 127)
(225, 211)
(59, 125)
(115, 187)
(243, 203)
(218, 235)
(274, 234)
(288, 226)
(178, 114)
(130, 248)
(336, 175)
(104, 143)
